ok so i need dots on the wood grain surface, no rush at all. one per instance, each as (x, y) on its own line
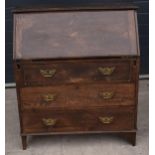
(76, 96)
(77, 71)
(74, 34)
(79, 120)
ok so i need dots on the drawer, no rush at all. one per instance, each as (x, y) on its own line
(77, 71)
(76, 96)
(109, 119)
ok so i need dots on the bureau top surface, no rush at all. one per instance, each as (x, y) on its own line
(67, 34)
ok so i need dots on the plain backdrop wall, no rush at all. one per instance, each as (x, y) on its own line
(143, 24)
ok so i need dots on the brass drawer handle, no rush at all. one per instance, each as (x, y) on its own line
(49, 121)
(106, 70)
(49, 97)
(106, 120)
(47, 73)
(107, 95)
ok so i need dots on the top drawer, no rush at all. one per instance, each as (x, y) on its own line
(77, 71)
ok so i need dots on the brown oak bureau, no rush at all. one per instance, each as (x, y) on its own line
(76, 70)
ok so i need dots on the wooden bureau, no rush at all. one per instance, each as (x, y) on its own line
(76, 70)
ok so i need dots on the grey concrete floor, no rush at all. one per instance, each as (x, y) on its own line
(99, 144)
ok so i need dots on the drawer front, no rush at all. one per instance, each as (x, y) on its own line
(75, 96)
(109, 119)
(59, 72)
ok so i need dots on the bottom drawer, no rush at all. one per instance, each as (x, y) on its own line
(100, 119)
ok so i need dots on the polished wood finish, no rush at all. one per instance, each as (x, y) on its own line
(79, 120)
(77, 96)
(77, 71)
(77, 76)
(82, 34)
(59, 8)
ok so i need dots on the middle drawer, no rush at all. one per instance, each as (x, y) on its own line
(74, 96)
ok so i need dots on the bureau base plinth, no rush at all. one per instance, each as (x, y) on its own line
(129, 136)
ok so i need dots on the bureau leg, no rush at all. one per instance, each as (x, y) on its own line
(130, 137)
(24, 142)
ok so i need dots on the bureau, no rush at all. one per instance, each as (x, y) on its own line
(76, 70)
